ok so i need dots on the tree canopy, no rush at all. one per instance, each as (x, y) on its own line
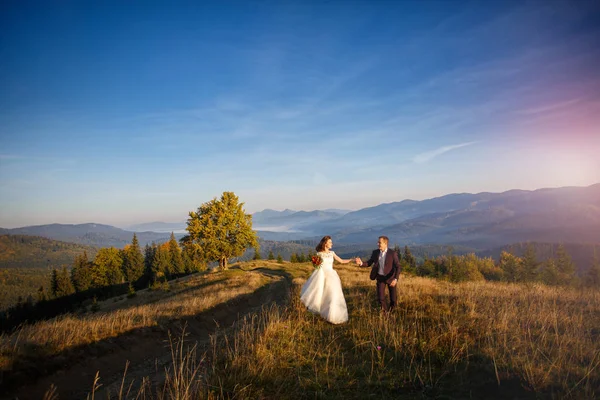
(220, 229)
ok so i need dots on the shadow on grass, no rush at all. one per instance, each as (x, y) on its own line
(78, 365)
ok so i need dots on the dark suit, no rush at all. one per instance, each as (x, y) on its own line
(391, 271)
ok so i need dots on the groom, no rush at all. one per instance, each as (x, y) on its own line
(385, 270)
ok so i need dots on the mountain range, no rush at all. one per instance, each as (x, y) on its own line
(479, 221)
(483, 220)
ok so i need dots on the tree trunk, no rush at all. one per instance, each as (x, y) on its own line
(223, 263)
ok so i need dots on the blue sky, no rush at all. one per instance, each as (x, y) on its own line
(129, 112)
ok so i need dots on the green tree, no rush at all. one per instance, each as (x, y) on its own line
(133, 261)
(427, 268)
(187, 262)
(293, 258)
(529, 270)
(160, 264)
(149, 259)
(53, 282)
(222, 229)
(511, 265)
(409, 263)
(279, 259)
(593, 274)
(565, 266)
(81, 273)
(107, 269)
(271, 256)
(177, 264)
(549, 273)
(41, 294)
(194, 255)
(301, 258)
(489, 269)
(465, 268)
(61, 283)
(256, 255)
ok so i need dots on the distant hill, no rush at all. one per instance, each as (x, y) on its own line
(289, 220)
(158, 227)
(21, 251)
(90, 234)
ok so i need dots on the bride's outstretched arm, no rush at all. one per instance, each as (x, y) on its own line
(341, 260)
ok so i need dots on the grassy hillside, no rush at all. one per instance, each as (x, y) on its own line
(21, 251)
(243, 333)
(26, 262)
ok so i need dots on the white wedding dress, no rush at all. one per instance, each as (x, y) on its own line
(322, 292)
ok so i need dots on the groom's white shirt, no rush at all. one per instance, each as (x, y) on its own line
(381, 261)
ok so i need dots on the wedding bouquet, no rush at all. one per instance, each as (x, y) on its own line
(316, 260)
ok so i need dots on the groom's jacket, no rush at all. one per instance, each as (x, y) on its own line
(391, 268)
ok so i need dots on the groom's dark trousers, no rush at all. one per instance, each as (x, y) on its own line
(381, 284)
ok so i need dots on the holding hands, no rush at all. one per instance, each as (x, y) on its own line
(358, 261)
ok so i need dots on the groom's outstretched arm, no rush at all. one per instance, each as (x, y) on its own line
(370, 262)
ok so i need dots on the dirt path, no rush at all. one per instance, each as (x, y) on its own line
(147, 349)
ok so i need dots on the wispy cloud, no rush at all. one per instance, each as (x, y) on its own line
(430, 155)
(550, 107)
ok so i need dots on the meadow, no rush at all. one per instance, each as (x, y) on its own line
(444, 340)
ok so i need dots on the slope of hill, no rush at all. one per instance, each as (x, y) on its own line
(26, 263)
(244, 333)
(20, 251)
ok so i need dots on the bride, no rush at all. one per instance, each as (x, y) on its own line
(322, 292)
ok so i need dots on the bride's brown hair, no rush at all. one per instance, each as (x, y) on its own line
(321, 245)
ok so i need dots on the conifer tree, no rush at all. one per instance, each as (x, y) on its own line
(160, 264)
(188, 266)
(410, 263)
(256, 255)
(530, 264)
(222, 229)
(42, 296)
(54, 282)
(63, 287)
(279, 259)
(301, 258)
(107, 268)
(565, 266)
(133, 261)
(511, 265)
(271, 256)
(592, 277)
(60, 283)
(81, 273)
(194, 255)
(177, 265)
(550, 274)
(149, 251)
(293, 258)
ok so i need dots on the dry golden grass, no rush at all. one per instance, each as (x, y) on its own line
(459, 340)
(39, 341)
(467, 340)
